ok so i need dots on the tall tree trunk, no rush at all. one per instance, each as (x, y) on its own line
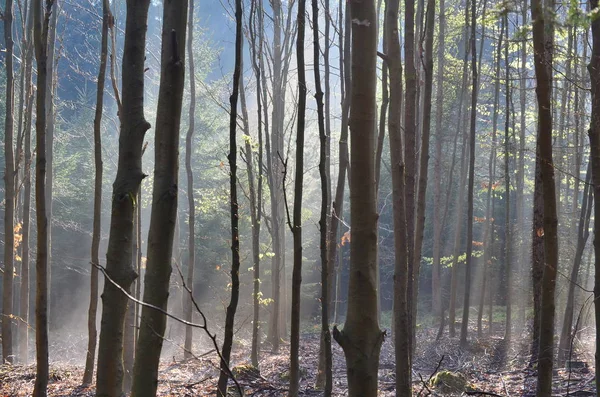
(361, 337)
(474, 91)
(296, 225)
(424, 157)
(163, 218)
(507, 214)
(9, 190)
(436, 285)
(235, 234)
(337, 208)
(543, 63)
(119, 265)
(401, 314)
(410, 149)
(41, 265)
(256, 192)
(594, 134)
(25, 271)
(325, 355)
(191, 262)
(96, 230)
(520, 191)
(463, 179)
(51, 82)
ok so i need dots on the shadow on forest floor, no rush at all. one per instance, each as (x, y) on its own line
(488, 364)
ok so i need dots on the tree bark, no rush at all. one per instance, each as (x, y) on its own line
(410, 150)
(164, 199)
(361, 337)
(543, 63)
(424, 157)
(256, 192)
(594, 134)
(119, 265)
(474, 91)
(507, 214)
(191, 260)
(401, 314)
(436, 285)
(25, 265)
(325, 355)
(296, 225)
(41, 265)
(235, 234)
(97, 224)
(9, 190)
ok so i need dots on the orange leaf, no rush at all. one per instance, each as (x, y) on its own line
(540, 232)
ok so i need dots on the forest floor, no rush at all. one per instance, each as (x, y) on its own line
(487, 365)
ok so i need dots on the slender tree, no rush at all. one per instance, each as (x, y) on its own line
(256, 185)
(25, 271)
(507, 201)
(191, 260)
(119, 266)
(325, 355)
(41, 266)
(543, 42)
(361, 337)
(402, 322)
(9, 190)
(436, 286)
(235, 234)
(164, 199)
(469, 259)
(96, 230)
(594, 134)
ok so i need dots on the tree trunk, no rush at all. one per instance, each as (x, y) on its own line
(191, 262)
(337, 209)
(436, 285)
(325, 355)
(96, 230)
(424, 157)
(460, 200)
(410, 149)
(543, 64)
(594, 134)
(296, 225)
(468, 264)
(361, 337)
(235, 234)
(25, 271)
(164, 199)
(507, 214)
(119, 265)
(41, 265)
(51, 82)
(401, 314)
(256, 191)
(9, 191)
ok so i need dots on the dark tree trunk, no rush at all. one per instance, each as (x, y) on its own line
(96, 230)
(474, 91)
(325, 355)
(119, 266)
(235, 234)
(543, 43)
(9, 190)
(191, 262)
(361, 337)
(41, 265)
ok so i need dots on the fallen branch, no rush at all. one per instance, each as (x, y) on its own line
(481, 393)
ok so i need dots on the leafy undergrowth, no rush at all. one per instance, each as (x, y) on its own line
(488, 365)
